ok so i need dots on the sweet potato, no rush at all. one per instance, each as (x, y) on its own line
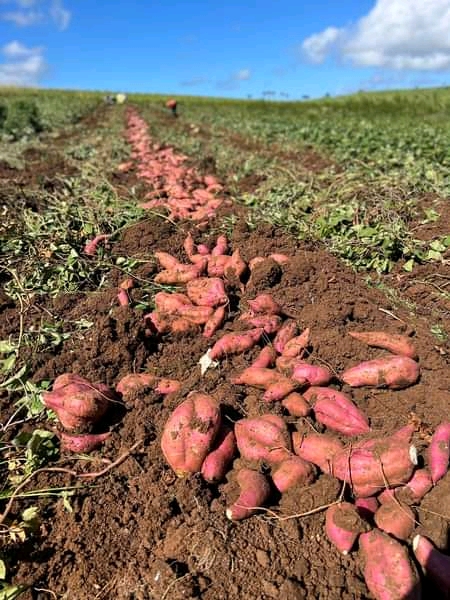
(203, 249)
(367, 507)
(292, 472)
(189, 434)
(91, 247)
(199, 315)
(438, 452)
(127, 284)
(395, 343)
(413, 491)
(264, 304)
(214, 322)
(181, 273)
(158, 322)
(371, 465)
(285, 333)
(189, 245)
(235, 343)
(395, 518)
(265, 359)
(207, 291)
(217, 265)
(254, 493)
(277, 386)
(296, 405)
(263, 438)
(389, 573)
(215, 465)
(313, 374)
(435, 564)
(394, 372)
(297, 345)
(255, 261)
(221, 246)
(404, 433)
(236, 267)
(135, 381)
(171, 304)
(82, 443)
(166, 260)
(343, 524)
(183, 325)
(270, 323)
(167, 386)
(279, 389)
(281, 259)
(336, 411)
(317, 448)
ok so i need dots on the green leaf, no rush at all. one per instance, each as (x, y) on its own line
(6, 347)
(433, 255)
(409, 265)
(2, 570)
(15, 378)
(10, 592)
(437, 245)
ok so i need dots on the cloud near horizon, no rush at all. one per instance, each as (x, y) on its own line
(23, 66)
(395, 34)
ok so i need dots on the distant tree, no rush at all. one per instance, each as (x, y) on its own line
(305, 97)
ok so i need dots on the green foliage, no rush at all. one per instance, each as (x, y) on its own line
(22, 119)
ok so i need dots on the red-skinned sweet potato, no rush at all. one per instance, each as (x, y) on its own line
(216, 464)
(413, 491)
(277, 386)
(285, 333)
(336, 411)
(254, 493)
(263, 438)
(313, 374)
(317, 448)
(221, 246)
(264, 304)
(265, 359)
(214, 322)
(394, 372)
(235, 343)
(297, 345)
(292, 472)
(207, 291)
(435, 564)
(217, 265)
(135, 381)
(190, 432)
(367, 507)
(85, 442)
(236, 267)
(389, 572)
(296, 405)
(438, 452)
(166, 260)
(343, 525)
(394, 342)
(395, 518)
(270, 323)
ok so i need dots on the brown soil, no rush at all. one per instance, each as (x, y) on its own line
(140, 533)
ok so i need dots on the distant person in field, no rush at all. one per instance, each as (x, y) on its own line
(172, 105)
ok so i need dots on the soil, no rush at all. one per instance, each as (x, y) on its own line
(140, 532)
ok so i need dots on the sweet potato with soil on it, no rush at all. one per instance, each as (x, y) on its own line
(367, 507)
(297, 345)
(286, 332)
(255, 261)
(221, 246)
(183, 326)
(91, 247)
(281, 259)
(278, 390)
(214, 322)
(313, 374)
(181, 273)
(413, 491)
(343, 525)
(158, 322)
(217, 265)
(167, 386)
(189, 245)
(317, 448)
(199, 315)
(389, 572)
(395, 518)
(85, 442)
(336, 411)
(394, 342)
(404, 433)
(207, 291)
(254, 493)
(265, 359)
(171, 303)
(190, 432)
(216, 464)
(135, 381)
(435, 564)
(264, 304)
(203, 249)
(166, 260)
(372, 465)
(292, 472)
(394, 372)
(263, 438)
(127, 284)
(438, 452)
(235, 343)
(277, 386)
(270, 323)
(236, 267)
(296, 405)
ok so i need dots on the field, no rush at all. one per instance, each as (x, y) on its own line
(345, 200)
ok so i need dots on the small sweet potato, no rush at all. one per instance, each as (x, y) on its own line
(166, 260)
(167, 386)
(207, 291)
(394, 372)
(84, 442)
(394, 342)
(264, 304)
(281, 259)
(336, 411)
(389, 572)
(235, 343)
(343, 525)
(122, 297)
(254, 493)
(438, 452)
(190, 432)
(255, 261)
(317, 448)
(221, 246)
(215, 465)
(270, 323)
(135, 381)
(91, 247)
(296, 405)
(263, 438)
(203, 249)
(285, 333)
(435, 564)
(265, 359)
(313, 374)
(214, 322)
(292, 472)
(395, 518)
(297, 345)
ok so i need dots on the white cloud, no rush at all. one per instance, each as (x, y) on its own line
(242, 75)
(60, 15)
(24, 66)
(16, 49)
(24, 13)
(395, 34)
(23, 18)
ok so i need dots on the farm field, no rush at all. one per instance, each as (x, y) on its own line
(344, 204)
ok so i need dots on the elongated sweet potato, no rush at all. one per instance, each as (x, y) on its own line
(285, 333)
(214, 322)
(236, 267)
(435, 564)
(394, 342)
(371, 465)
(438, 452)
(85, 442)
(313, 374)
(254, 493)
(277, 386)
(199, 315)
(235, 343)
(221, 246)
(265, 359)
(190, 432)
(394, 372)
(343, 525)
(264, 304)
(292, 472)
(317, 448)
(91, 247)
(389, 572)
(135, 381)
(166, 260)
(281, 259)
(207, 291)
(413, 491)
(180, 273)
(171, 303)
(336, 411)
(296, 405)
(216, 464)
(297, 345)
(203, 249)
(270, 323)
(395, 518)
(263, 438)
(122, 297)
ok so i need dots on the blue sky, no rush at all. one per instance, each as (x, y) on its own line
(234, 49)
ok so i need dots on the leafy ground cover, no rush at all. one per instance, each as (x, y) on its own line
(138, 531)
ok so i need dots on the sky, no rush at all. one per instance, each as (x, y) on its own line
(280, 49)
